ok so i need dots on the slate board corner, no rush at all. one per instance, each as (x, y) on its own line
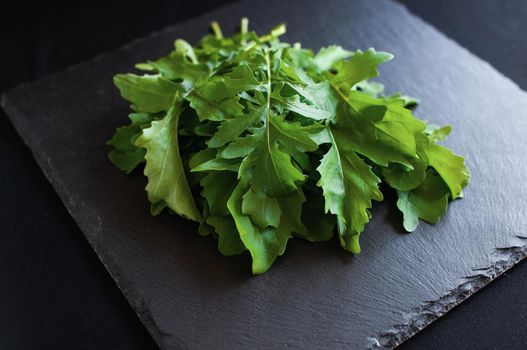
(429, 312)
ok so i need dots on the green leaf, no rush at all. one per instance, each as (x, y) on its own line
(295, 73)
(263, 210)
(326, 57)
(186, 49)
(177, 66)
(167, 183)
(349, 186)
(225, 86)
(294, 104)
(390, 109)
(302, 58)
(217, 188)
(230, 129)
(380, 129)
(369, 88)
(292, 136)
(208, 109)
(243, 146)
(320, 95)
(265, 245)
(273, 142)
(429, 202)
(218, 164)
(204, 228)
(125, 154)
(395, 124)
(217, 98)
(408, 101)
(148, 93)
(320, 225)
(361, 66)
(451, 167)
(403, 178)
(274, 173)
(439, 134)
(364, 137)
(291, 208)
(229, 242)
(201, 157)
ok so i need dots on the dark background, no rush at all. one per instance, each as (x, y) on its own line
(54, 292)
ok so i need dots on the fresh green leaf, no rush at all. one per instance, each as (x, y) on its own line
(260, 141)
(177, 66)
(265, 245)
(349, 187)
(230, 129)
(320, 227)
(125, 154)
(274, 172)
(320, 95)
(294, 104)
(229, 242)
(404, 178)
(167, 183)
(148, 93)
(361, 66)
(217, 188)
(217, 164)
(451, 167)
(439, 134)
(263, 209)
(369, 88)
(328, 56)
(429, 202)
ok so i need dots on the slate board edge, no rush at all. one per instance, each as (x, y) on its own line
(113, 269)
(418, 318)
(428, 312)
(164, 341)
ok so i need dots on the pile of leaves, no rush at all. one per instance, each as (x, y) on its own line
(259, 141)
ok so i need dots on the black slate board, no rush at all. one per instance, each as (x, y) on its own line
(316, 296)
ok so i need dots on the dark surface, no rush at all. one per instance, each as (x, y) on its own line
(50, 297)
(493, 30)
(495, 317)
(54, 291)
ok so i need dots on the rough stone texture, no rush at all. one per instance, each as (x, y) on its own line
(317, 295)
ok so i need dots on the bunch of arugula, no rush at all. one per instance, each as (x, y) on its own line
(260, 141)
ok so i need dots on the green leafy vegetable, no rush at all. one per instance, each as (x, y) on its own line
(260, 141)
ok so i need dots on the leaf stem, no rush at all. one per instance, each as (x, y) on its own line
(268, 114)
(275, 33)
(334, 144)
(244, 29)
(216, 30)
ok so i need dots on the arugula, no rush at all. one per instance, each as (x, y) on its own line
(260, 141)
